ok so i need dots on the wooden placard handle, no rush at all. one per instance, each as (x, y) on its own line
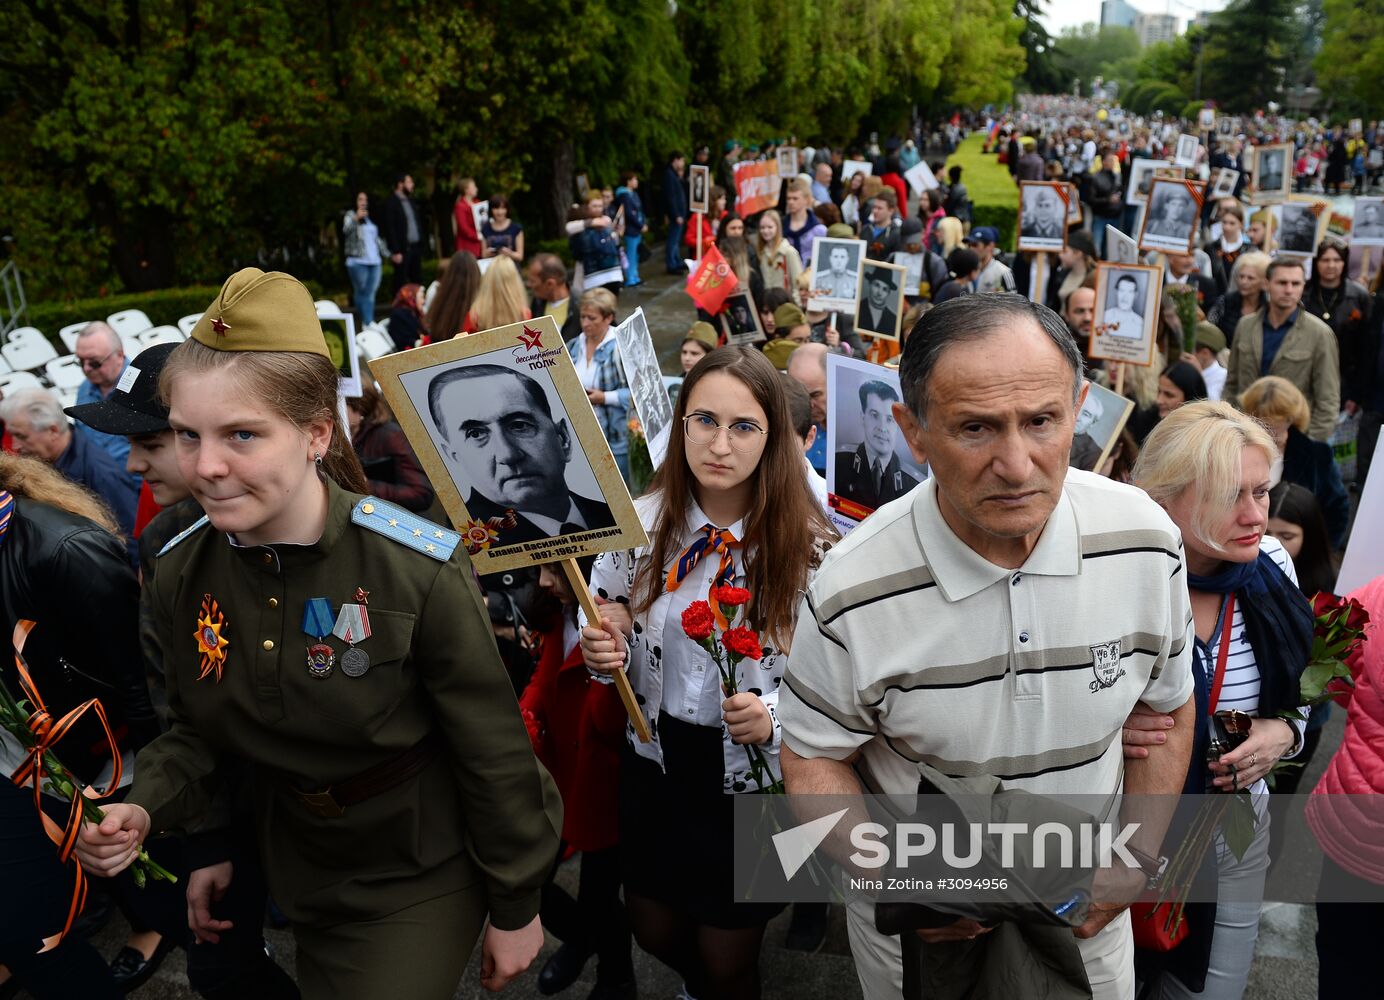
(1119, 379)
(699, 216)
(593, 615)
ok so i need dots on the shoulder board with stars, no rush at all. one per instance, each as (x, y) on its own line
(186, 533)
(406, 528)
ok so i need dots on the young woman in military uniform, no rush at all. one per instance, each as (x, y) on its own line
(338, 646)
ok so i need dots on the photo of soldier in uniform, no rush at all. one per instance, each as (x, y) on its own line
(836, 265)
(1140, 176)
(870, 463)
(1042, 216)
(639, 359)
(1186, 155)
(501, 425)
(1171, 222)
(741, 320)
(1273, 175)
(1123, 317)
(1223, 185)
(1102, 416)
(1297, 234)
(1367, 230)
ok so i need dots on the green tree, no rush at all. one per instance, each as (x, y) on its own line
(1249, 46)
(1092, 50)
(1045, 71)
(1350, 66)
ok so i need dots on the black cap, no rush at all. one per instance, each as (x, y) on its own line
(133, 407)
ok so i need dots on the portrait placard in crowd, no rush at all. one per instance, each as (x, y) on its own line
(1225, 127)
(787, 162)
(645, 379)
(1206, 119)
(920, 177)
(881, 306)
(699, 196)
(584, 188)
(480, 214)
(339, 329)
(1074, 216)
(1367, 227)
(503, 428)
(836, 273)
(1140, 176)
(1042, 216)
(1127, 297)
(1174, 212)
(1186, 155)
(1302, 225)
(850, 168)
(1102, 416)
(1119, 248)
(1272, 167)
(868, 461)
(740, 320)
(1223, 183)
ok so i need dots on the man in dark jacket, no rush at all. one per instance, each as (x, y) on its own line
(402, 229)
(1106, 200)
(675, 208)
(546, 278)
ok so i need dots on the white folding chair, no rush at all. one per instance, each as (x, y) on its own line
(188, 322)
(128, 322)
(68, 334)
(27, 349)
(373, 342)
(65, 372)
(66, 397)
(160, 335)
(5, 368)
(18, 381)
(326, 307)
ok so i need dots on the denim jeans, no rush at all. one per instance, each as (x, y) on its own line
(632, 260)
(673, 251)
(365, 281)
(1098, 225)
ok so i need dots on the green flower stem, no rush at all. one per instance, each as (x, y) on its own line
(15, 721)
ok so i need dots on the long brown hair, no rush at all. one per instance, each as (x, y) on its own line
(456, 290)
(784, 520)
(294, 385)
(32, 479)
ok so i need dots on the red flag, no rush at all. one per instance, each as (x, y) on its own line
(712, 282)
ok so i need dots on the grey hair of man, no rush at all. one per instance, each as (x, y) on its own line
(38, 406)
(970, 318)
(113, 341)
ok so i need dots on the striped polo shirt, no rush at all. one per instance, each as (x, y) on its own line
(911, 647)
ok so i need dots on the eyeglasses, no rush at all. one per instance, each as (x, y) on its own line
(701, 429)
(91, 364)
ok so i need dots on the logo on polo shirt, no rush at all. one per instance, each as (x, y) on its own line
(1105, 664)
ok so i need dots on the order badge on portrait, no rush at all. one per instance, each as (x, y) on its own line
(503, 428)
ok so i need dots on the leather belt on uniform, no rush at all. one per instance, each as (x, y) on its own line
(333, 801)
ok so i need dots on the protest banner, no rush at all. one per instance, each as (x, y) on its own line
(756, 186)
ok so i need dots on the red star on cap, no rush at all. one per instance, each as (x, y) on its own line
(219, 325)
(531, 338)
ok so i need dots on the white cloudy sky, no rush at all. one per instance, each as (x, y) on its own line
(1066, 13)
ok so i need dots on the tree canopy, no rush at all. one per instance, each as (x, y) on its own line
(147, 143)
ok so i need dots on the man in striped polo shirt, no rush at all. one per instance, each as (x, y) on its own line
(1001, 620)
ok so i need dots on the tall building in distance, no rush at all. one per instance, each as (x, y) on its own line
(1117, 14)
(1154, 28)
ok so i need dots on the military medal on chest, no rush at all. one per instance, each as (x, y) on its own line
(211, 642)
(317, 623)
(353, 626)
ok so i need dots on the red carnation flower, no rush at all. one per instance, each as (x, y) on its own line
(743, 642)
(731, 597)
(698, 621)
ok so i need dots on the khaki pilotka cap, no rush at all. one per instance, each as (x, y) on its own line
(262, 311)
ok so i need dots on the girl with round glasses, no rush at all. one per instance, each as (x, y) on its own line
(729, 506)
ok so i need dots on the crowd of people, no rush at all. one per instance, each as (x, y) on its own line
(396, 756)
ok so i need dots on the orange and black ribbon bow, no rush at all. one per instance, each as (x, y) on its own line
(34, 769)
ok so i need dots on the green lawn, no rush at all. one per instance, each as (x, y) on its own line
(994, 195)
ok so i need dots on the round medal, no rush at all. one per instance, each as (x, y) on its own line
(321, 659)
(355, 662)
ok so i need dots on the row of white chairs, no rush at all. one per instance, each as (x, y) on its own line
(27, 349)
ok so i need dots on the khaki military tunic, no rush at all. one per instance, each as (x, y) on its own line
(482, 818)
